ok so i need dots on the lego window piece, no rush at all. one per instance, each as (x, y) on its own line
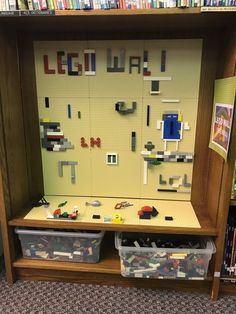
(111, 158)
(115, 67)
(52, 138)
(134, 62)
(90, 61)
(121, 108)
(155, 88)
(67, 163)
(145, 64)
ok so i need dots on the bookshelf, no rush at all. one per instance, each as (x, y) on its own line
(20, 156)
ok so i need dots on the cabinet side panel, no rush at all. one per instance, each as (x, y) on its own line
(226, 69)
(31, 120)
(13, 125)
(202, 158)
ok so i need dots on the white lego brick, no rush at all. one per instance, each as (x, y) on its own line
(157, 78)
(55, 133)
(90, 73)
(170, 100)
(89, 50)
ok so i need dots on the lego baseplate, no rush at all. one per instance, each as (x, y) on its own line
(182, 212)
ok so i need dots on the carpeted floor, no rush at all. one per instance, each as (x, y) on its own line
(32, 297)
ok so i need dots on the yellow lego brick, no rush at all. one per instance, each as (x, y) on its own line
(45, 120)
(180, 117)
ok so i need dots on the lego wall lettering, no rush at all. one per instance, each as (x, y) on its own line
(134, 62)
(90, 62)
(60, 62)
(94, 142)
(117, 64)
(47, 70)
(66, 63)
(146, 72)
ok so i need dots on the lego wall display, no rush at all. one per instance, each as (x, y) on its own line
(118, 118)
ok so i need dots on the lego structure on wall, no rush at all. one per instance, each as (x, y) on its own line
(118, 118)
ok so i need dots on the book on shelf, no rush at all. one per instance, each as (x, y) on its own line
(229, 262)
(50, 5)
(233, 192)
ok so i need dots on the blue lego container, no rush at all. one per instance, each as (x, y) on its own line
(69, 245)
(164, 257)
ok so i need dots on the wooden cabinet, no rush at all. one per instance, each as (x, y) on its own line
(20, 158)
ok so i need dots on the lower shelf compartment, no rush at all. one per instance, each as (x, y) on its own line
(106, 272)
(109, 262)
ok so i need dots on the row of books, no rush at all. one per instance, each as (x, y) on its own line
(229, 264)
(41, 5)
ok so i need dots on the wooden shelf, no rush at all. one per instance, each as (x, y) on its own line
(207, 228)
(228, 287)
(115, 12)
(111, 21)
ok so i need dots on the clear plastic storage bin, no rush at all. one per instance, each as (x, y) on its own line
(72, 246)
(164, 256)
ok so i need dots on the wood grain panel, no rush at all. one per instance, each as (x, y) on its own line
(112, 279)
(31, 119)
(202, 153)
(13, 125)
(226, 69)
(124, 20)
(8, 245)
